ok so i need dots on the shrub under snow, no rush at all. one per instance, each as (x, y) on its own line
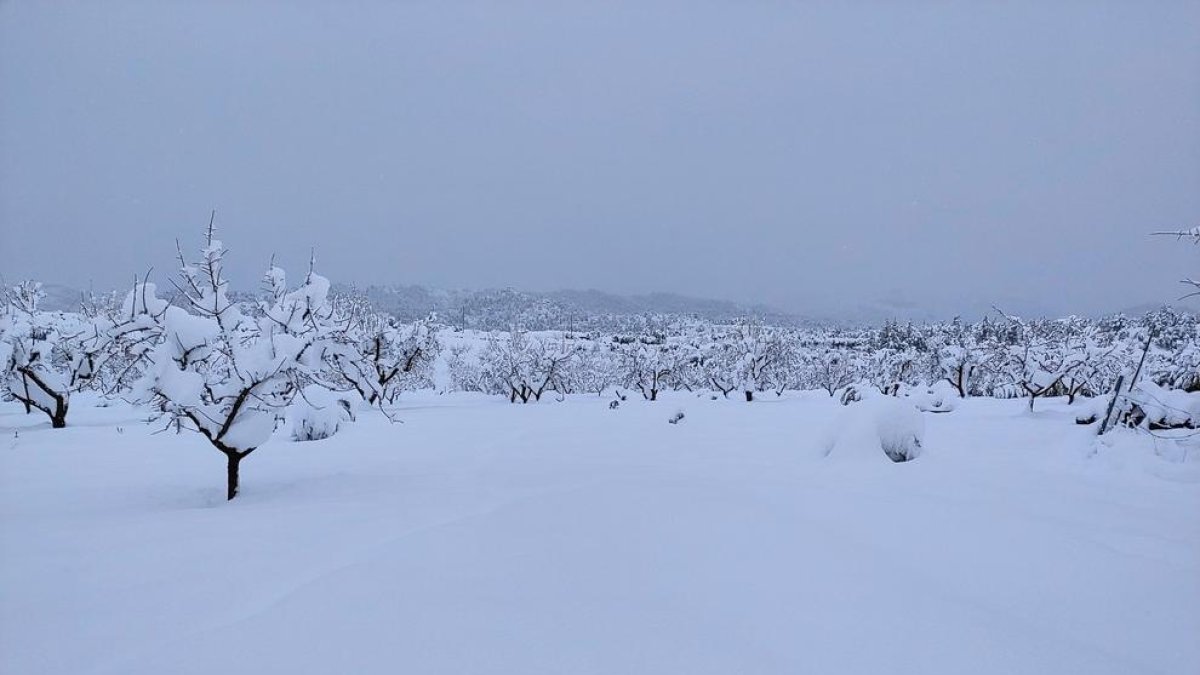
(877, 425)
(318, 413)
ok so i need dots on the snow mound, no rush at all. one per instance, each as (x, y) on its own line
(1149, 406)
(877, 425)
(1166, 408)
(938, 398)
(318, 414)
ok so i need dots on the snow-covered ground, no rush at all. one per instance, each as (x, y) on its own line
(483, 537)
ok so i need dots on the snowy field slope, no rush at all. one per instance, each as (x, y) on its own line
(482, 537)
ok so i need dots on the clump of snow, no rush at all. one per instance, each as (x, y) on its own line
(250, 428)
(877, 425)
(143, 300)
(857, 392)
(937, 398)
(1167, 408)
(1149, 406)
(318, 414)
(1091, 409)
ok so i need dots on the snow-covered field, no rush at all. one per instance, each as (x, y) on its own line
(483, 537)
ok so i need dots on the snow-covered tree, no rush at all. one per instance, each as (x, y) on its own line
(595, 368)
(390, 357)
(46, 357)
(719, 362)
(646, 364)
(783, 371)
(1034, 359)
(226, 374)
(958, 358)
(466, 374)
(830, 369)
(755, 349)
(524, 367)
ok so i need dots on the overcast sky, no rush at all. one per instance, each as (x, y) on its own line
(807, 155)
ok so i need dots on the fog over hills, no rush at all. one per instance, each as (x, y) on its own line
(572, 309)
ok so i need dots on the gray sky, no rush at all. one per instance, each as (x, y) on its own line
(807, 155)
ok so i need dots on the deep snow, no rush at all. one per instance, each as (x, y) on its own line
(483, 537)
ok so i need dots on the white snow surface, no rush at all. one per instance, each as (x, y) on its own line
(483, 537)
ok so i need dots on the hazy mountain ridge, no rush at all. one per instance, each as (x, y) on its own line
(504, 308)
(501, 309)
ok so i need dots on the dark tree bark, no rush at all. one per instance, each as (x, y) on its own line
(57, 414)
(58, 420)
(958, 382)
(749, 396)
(231, 474)
(233, 456)
(233, 465)
(649, 393)
(25, 401)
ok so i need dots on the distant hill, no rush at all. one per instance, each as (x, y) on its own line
(501, 309)
(584, 310)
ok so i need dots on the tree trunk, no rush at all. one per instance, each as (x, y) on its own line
(25, 384)
(58, 420)
(231, 474)
(653, 394)
(958, 383)
(749, 396)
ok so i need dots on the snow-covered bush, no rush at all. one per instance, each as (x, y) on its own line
(318, 413)
(877, 426)
(1180, 369)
